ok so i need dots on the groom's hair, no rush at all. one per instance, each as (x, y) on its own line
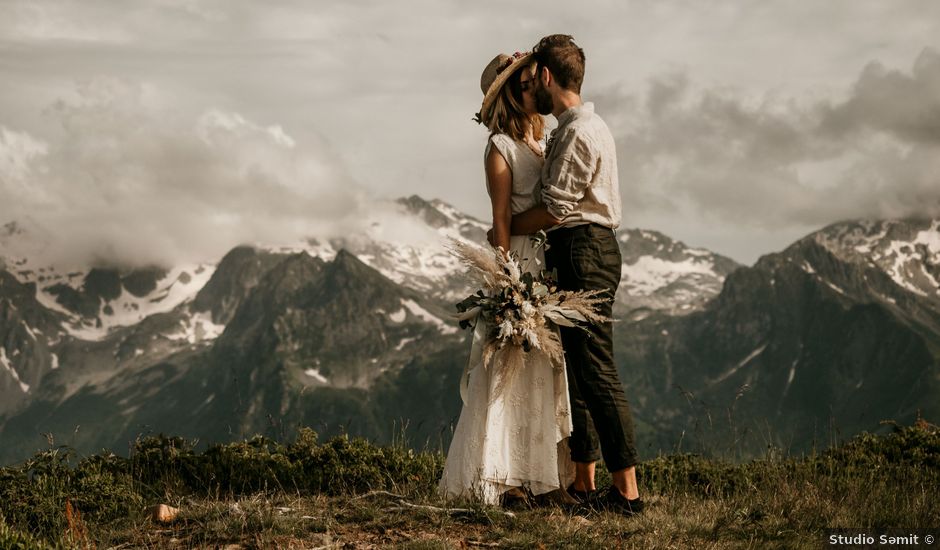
(564, 59)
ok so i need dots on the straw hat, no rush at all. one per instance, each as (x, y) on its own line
(496, 74)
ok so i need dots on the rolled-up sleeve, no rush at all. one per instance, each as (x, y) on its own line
(573, 165)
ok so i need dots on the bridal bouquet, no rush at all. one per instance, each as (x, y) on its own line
(519, 309)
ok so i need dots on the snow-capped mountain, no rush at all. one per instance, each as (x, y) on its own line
(96, 300)
(407, 241)
(840, 329)
(663, 274)
(908, 251)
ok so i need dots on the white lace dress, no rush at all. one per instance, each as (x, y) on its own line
(517, 437)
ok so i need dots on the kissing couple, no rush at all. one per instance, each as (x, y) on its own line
(543, 432)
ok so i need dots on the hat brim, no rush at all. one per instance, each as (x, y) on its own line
(501, 80)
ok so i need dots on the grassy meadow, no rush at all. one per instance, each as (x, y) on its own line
(349, 493)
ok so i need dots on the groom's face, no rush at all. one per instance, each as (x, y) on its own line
(543, 99)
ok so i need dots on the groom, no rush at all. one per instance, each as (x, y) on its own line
(580, 210)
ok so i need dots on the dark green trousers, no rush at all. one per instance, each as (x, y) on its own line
(587, 257)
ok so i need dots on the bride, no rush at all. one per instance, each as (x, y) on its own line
(511, 437)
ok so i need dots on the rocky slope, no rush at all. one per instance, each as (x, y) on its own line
(809, 344)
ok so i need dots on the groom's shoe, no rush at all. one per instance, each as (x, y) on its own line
(559, 497)
(580, 496)
(612, 500)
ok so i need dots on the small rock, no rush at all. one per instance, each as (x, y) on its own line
(163, 513)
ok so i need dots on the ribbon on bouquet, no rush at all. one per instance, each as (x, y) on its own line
(476, 350)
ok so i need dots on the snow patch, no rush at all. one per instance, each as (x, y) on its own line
(398, 316)
(6, 364)
(29, 330)
(404, 342)
(425, 315)
(180, 284)
(743, 362)
(930, 238)
(48, 301)
(857, 239)
(197, 327)
(790, 377)
(315, 374)
(649, 273)
(313, 247)
(902, 252)
(834, 287)
(83, 329)
(888, 299)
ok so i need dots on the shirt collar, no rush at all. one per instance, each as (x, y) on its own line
(578, 111)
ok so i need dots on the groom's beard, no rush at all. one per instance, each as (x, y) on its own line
(543, 101)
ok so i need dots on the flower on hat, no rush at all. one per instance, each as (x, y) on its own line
(510, 60)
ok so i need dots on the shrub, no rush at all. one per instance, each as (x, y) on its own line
(11, 539)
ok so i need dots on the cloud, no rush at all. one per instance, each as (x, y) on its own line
(387, 91)
(906, 106)
(765, 161)
(128, 182)
(19, 152)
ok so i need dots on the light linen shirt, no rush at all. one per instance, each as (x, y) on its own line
(579, 178)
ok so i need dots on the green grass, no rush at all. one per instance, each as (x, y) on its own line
(263, 494)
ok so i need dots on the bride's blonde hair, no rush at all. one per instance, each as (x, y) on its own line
(507, 116)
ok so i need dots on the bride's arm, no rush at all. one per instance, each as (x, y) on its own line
(532, 220)
(499, 186)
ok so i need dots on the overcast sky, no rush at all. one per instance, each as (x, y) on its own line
(171, 130)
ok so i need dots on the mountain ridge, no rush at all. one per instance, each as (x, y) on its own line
(351, 333)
